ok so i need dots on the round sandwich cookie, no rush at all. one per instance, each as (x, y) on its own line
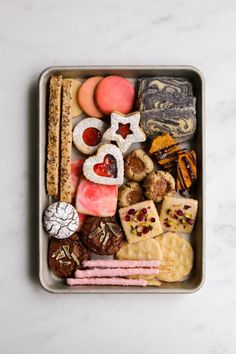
(60, 220)
(66, 256)
(115, 93)
(87, 135)
(102, 235)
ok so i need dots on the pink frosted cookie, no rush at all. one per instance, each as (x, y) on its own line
(107, 281)
(86, 96)
(114, 263)
(114, 272)
(96, 199)
(76, 173)
(114, 93)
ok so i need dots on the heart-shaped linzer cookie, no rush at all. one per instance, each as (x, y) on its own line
(106, 167)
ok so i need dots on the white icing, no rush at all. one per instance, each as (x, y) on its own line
(60, 220)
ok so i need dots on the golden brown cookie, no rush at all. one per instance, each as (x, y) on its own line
(159, 184)
(144, 250)
(52, 177)
(130, 193)
(177, 257)
(138, 165)
(66, 142)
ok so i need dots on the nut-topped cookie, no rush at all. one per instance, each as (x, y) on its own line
(65, 256)
(178, 214)
(140, 221)
(102, 235)
(159, 184)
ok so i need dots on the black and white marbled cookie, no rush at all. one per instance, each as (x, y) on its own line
(180, 123)
(166, 85)
(153, 99)
(60, 220)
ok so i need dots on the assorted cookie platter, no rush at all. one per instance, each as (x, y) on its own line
(121, 204)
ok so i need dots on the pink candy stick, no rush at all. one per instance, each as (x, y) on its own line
(114, 272)
(110, 263)
(107, 281)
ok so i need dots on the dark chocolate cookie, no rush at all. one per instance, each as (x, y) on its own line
(102, 235)
(65, 256)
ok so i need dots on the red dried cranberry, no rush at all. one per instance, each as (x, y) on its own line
(186, 207)
(175, 217)
(166, 219)
(131, 211)
(180, 212)
(190, 221)
(152, 219)
(166, 224)
(127, 217)
(144, 211)
(141, 217)
(145, 230)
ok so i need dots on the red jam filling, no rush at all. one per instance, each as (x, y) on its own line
(107, 168)
(124, 130)
(92, 136)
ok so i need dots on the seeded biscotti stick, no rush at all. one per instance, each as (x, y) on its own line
(53, 135)
(66, 142)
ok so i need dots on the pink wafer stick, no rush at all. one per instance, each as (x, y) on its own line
(107, 281)
(110, 263)
(114, 272)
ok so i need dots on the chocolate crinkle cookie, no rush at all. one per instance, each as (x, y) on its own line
(102, 235)
(67, 255)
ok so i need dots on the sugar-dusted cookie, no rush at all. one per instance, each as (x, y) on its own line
(140, 221)
(96, 199)
(125, 130)
(102, 235)
(66, 256)
(115, 93)
(178, 214)
(60, 220)
(106, 167)
(66, 142)
(159, 184)
(76, 109)
(144, 250)
(177, 257)
(87, 135)
(86, 97)
(138, 165)
(52, 177)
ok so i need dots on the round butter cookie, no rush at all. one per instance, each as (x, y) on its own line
(177, 257)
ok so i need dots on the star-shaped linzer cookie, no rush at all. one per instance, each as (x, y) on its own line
(125, 130)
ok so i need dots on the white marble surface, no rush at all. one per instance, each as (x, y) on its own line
(35, 35)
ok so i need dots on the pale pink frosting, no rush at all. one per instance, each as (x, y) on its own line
(114, 272)
(107, 281)
(110, 263)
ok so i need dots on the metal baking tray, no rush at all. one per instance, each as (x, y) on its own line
(194, 282)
